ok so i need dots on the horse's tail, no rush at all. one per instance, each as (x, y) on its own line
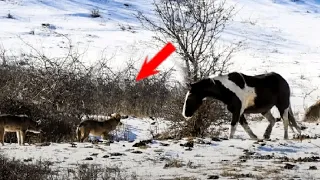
(292, 121)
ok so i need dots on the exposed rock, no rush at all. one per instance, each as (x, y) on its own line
(74, 145)
(213, 177)
(215, 139)
(313, 168)
(188, 144)
(289, 166)
(27, 160)
(88, 158)
(164, 144)
(243, 160)
(117, 154)
(137, 152)
(263, 144)
(303, 127)
(142, 143)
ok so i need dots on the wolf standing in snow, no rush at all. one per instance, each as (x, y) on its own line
(312, 113)
(18, 124)
(97, 128)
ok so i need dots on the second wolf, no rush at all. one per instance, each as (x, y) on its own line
(97, 128)
(18, 124)
(312, 114)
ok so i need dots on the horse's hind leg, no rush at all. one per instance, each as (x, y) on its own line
(284, 113)
(268, 115)
(246, 127)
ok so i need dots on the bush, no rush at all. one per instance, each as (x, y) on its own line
(210, 113)
(94, 172)
(95, 13)
(61, 91)
(15, 169)
(42, 170)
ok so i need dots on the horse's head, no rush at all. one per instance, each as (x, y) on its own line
(197, 93)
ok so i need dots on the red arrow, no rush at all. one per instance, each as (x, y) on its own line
(149, 68)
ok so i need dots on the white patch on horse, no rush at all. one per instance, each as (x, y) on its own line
(184, 105)
(246, 95)
(285, 117)
(233, 130)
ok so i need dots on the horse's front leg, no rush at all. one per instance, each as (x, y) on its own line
(234, 123)
(246, 127)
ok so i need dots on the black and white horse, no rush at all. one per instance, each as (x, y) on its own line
(245, 94)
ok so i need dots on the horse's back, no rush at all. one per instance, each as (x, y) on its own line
(271, 76)
(270, 80)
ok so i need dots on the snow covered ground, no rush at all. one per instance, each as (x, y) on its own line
(167, 159)
(279, 35)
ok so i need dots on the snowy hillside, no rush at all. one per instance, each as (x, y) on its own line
(279, 36)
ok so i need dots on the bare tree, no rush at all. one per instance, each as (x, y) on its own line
(196, 26)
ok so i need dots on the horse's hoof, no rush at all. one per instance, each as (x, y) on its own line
(254, 138)
(266, 137)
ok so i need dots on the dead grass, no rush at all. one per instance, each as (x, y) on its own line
(181, 178)
(11, 169)
(173, 163)
(238, 175)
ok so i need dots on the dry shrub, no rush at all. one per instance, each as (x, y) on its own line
(95, 172)
(60, 92)
(12, 169)
(211, 113)
(15, 169)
